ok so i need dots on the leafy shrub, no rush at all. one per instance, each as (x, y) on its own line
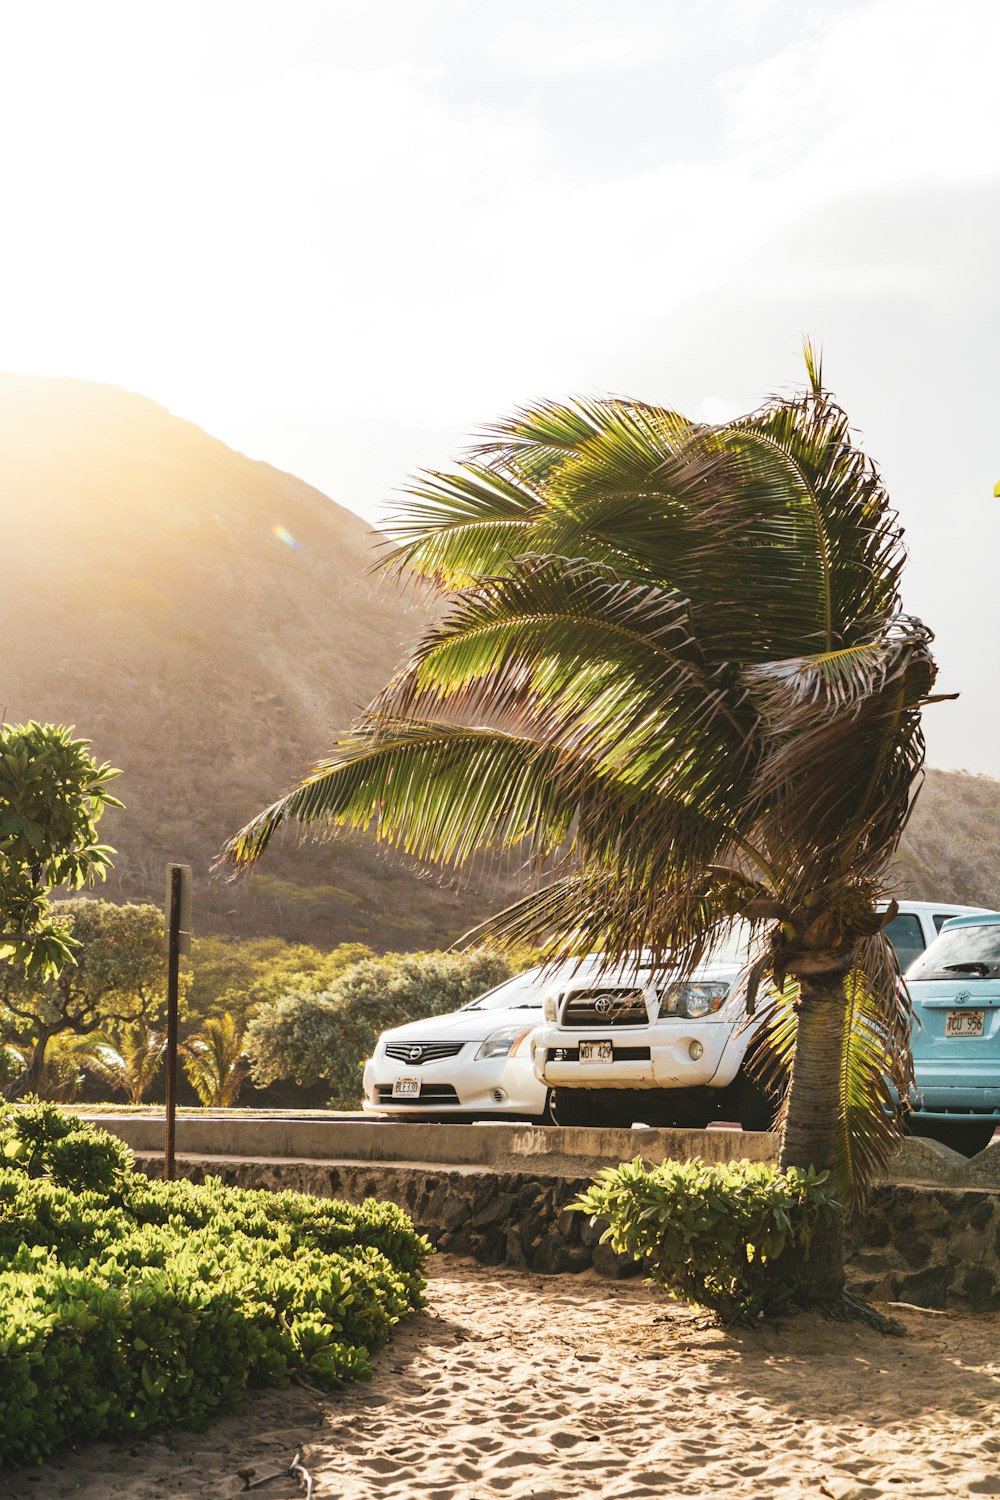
(324, 1036)
(158, 1305)
(43, 1141)
(730, 1238)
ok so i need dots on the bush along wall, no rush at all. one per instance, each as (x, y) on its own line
(128, 1304)
(727, 1237)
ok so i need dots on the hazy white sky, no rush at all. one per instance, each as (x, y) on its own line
(341, 234)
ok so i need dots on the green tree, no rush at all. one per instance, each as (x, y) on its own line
(118, 974)
(214, 1061)
(240, 974)
(323, 1036)
(52, 794)
(128, 1057)
(673, 658)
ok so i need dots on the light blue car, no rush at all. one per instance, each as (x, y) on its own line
(955, 987)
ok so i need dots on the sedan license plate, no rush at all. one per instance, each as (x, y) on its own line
(406, 1088)
(963, 1023)
(596, 1052)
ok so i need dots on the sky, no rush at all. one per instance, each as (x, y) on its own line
(342, 235)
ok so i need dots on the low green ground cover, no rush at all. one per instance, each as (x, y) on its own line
(127, 1304)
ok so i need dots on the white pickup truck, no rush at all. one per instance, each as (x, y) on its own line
(633, 1047)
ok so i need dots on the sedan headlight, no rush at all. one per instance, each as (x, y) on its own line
(692, 1001)
(503, 1043)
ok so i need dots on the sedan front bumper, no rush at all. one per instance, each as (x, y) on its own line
(494, 1086)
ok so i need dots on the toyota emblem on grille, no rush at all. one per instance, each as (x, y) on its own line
(416, 1052)
(603, 1004)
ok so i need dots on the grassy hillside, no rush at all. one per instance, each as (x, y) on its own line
(951, 847)
(149, 600)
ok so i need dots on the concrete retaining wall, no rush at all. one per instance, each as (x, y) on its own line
(570, 1151)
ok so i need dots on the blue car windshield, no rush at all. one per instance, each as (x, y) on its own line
(961, 953)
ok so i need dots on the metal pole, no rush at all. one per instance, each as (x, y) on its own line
(173, 972)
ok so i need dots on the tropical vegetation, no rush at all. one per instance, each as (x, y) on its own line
(52, 795)
(115, 975)
(673, 674)
(241, 974)
(128, 1059)
(128, 1305)
(215, 1062)
(323, 1036)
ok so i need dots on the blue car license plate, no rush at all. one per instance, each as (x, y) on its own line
(963, 1023)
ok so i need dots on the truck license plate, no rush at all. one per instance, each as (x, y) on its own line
(963, 1023)
(596, 1052)
(406, 1088)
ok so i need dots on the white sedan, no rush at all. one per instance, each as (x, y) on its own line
(473, 1063)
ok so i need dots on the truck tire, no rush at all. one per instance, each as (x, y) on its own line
(755, 1109)
(598, 1107)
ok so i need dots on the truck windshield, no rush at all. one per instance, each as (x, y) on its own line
(961, 953)
(733, 948)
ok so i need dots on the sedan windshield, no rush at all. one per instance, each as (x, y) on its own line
(961, 953)
(523, 992)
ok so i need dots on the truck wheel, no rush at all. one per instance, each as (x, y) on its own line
(575, 1107)
(608, 1108)
(755, 1109)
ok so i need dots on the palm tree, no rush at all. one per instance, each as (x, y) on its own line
(674, 672)
(128, 1059)
(61, 1075)
(214, 1061)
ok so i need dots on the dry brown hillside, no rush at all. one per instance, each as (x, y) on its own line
(148, 600)
(951, 847)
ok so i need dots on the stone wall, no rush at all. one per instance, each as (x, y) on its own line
(933, 1246)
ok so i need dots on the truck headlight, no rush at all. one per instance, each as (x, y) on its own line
(503, 1043)
(692, 1001)
(550, 1009)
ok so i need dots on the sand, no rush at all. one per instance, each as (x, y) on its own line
(519, 1385)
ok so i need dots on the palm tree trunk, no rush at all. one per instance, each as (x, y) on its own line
(809, 1138)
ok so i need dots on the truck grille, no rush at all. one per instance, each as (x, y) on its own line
(605, 1008)
(430, 1093)
(426, 1051)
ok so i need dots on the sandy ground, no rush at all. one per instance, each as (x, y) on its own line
(519, 1385)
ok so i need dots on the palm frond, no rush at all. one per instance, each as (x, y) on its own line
(214, 1061)
(438, 791)
(455, 527)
